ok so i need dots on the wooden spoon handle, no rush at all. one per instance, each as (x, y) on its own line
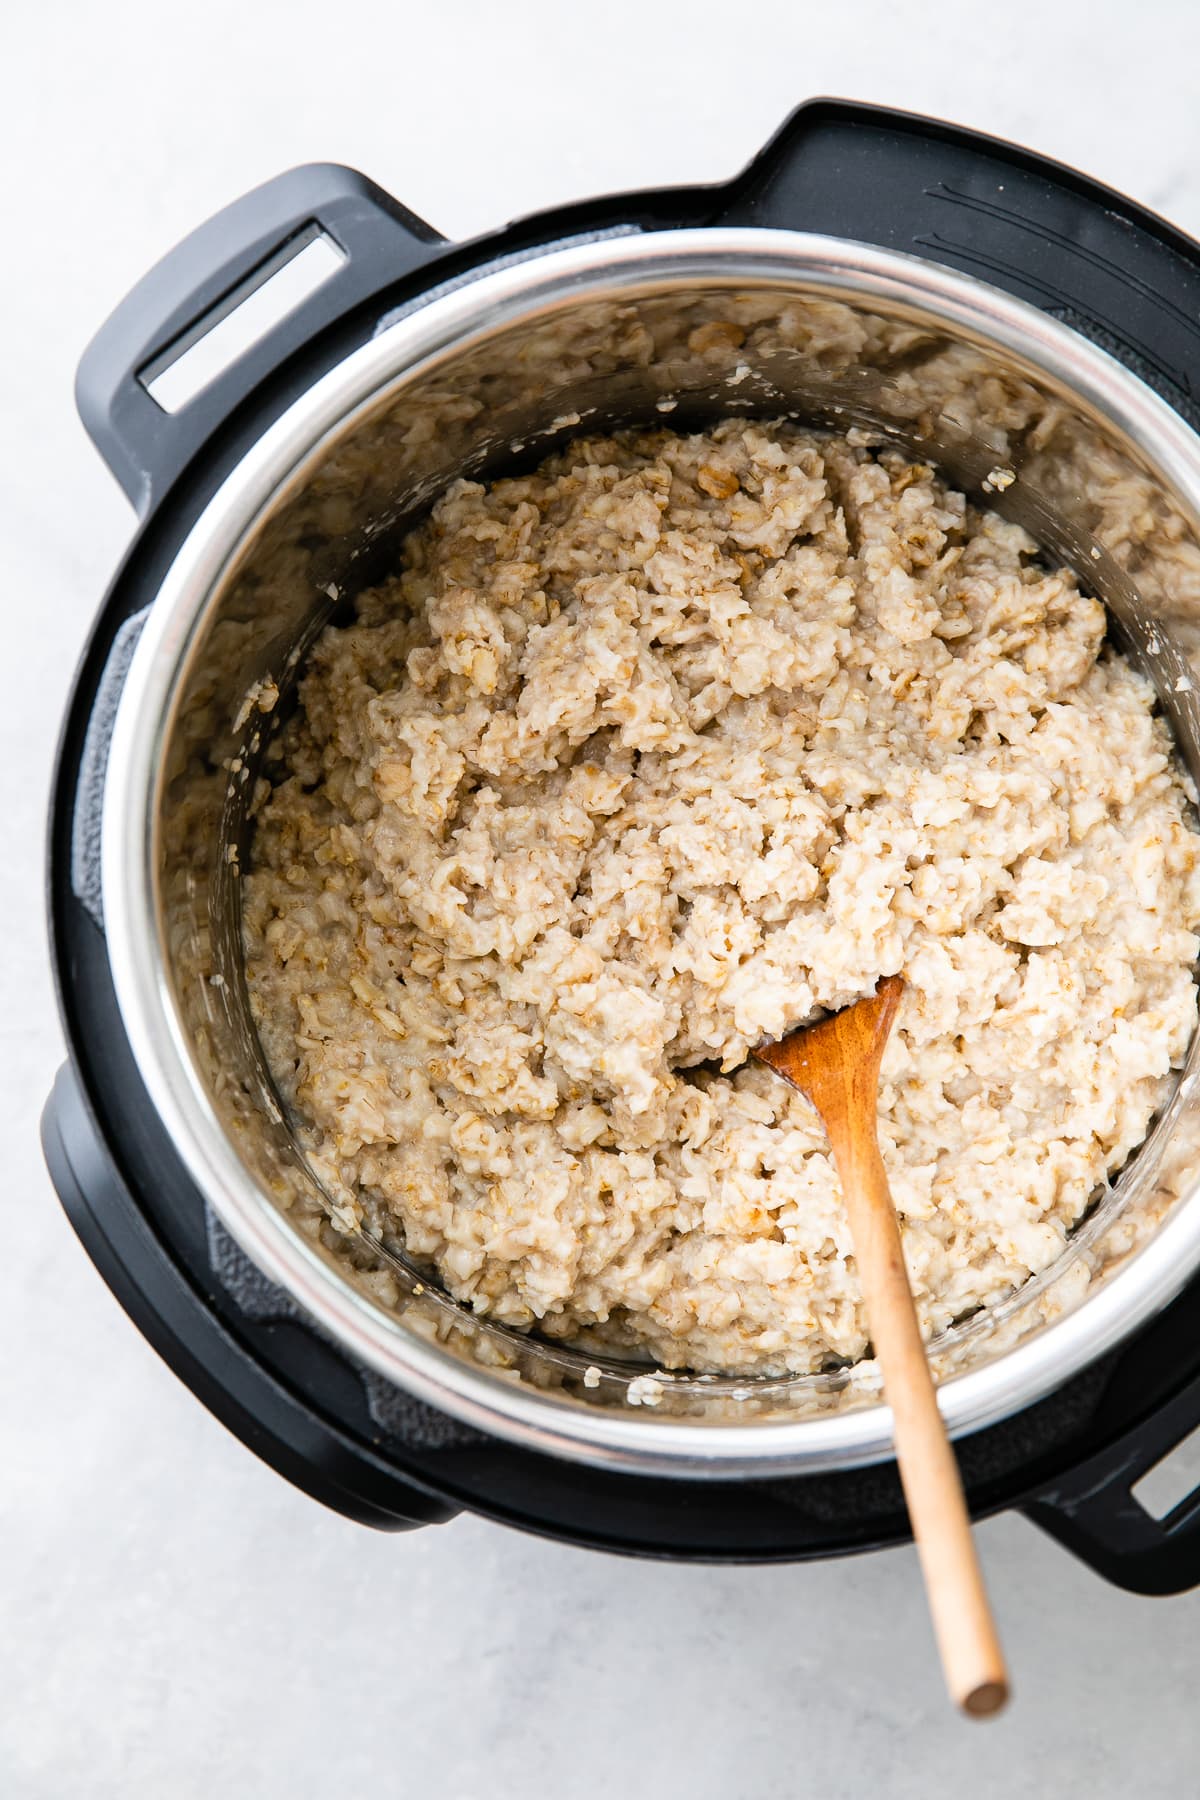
(962, 1618)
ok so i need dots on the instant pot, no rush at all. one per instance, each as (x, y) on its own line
(1033, 333)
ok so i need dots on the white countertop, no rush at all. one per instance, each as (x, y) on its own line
(178, 1623)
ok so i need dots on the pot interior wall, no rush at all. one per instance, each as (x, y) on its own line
(674, 356)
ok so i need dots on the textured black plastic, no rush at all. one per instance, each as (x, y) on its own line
(1092, 1509)
(1043, 233)
(234, 1385)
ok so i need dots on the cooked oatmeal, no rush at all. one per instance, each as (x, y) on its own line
(646, 757)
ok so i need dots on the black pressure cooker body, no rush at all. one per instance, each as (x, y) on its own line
(341, 1433)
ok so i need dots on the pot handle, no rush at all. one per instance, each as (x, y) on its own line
(375, 242)
(1094, 1512)
(200, 1344)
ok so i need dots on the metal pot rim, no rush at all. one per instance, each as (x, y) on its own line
(476, 307)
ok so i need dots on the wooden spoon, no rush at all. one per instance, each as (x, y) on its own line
(835, 1065)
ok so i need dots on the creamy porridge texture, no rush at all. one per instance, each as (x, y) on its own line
(644, 758)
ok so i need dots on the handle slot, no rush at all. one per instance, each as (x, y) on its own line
(1168, 1489)
(280, 284)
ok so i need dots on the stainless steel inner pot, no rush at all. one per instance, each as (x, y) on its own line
(492, 370)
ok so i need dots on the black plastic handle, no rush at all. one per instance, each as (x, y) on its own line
(204, 277)
(1094, 1512)
(314, 1452)
(1050, 236)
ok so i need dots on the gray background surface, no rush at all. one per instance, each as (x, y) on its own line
(176, 1622)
